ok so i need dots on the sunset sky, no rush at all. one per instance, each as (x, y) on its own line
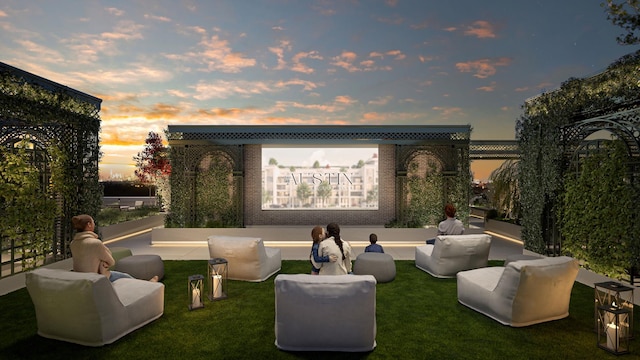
(306, 62)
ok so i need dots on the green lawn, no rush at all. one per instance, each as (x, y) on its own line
(418, 317)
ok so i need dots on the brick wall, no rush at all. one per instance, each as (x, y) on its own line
(254, 215)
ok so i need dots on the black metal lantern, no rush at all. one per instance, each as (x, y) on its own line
(613, 329)
(217, 278)
(196, 290)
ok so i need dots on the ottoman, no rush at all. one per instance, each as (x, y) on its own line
(142, 266)
(119, 252)
(380, 265)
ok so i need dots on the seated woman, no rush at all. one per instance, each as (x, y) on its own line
(335, 245)
(90, 254)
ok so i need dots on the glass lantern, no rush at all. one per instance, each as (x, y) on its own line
(217, 278)
(614, 295)
(196, 290)
(613, 329)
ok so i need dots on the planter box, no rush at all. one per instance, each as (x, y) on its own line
(503, 228)
(128, 227)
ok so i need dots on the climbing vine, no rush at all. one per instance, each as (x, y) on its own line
(51, 140)
(540, 137)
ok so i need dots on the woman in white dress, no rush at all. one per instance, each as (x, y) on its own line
(335, 245)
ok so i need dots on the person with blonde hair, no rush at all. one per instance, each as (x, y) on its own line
(317, 235)
(90, 254)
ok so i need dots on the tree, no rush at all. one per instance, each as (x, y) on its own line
(324, 191)
(304, 192)
(153, 166)
(625, 14)
(505, 193)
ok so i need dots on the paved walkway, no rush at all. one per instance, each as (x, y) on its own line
(140, 243)
(299, 250)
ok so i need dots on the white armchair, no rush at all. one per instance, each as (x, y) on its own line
(452, 253)
(248, 258)
(325, 312)
(87, 309)
(523, 293)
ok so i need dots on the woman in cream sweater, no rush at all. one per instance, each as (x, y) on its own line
(89, 253)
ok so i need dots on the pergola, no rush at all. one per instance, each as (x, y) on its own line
(191, 146)
(58, 127)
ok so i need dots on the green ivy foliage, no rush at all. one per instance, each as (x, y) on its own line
(215, 198)
(538, 132)
(600, 223)
(425, 196)
(66, 129)
(21, 228)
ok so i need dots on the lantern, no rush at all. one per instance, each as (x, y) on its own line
(196, 290)
(217, 278)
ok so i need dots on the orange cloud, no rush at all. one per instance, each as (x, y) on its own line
(488, 88)
(481, 29)
(483, 68)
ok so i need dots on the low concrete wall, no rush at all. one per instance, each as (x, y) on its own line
(503, 228)
(295, 233)
(15, 282)
(129, 227)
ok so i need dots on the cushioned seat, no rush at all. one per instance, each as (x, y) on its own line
(523, 293)
(325, 312)
(516, 257)
(380, 265)
(452, 253)
(141, 266)
(87, 309)
(248, 258)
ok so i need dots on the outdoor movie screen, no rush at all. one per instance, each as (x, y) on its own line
(320, 178)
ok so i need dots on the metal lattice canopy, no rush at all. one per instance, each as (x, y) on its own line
(62, 126)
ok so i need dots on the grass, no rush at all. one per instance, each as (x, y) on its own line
(418, 317)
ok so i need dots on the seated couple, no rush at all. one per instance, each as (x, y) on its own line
(330, 254)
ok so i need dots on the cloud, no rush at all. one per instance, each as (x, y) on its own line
(157, 17)
(481, 29)
(114, 11)
(345, 61)
(419, 26)
(299, 66)
(214, 54)
(132, 74)
(279, 52)
(381, 100)
(345, 100)
(42, 52)
(393, 20)
(483, 68)
(306, 85)
(223, 89)
(488, 88)
(3, 14)
(448, 111)
(88, 47)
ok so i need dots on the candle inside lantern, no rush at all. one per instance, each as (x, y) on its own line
(217, 286)
(613, 338)
(195, 298)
